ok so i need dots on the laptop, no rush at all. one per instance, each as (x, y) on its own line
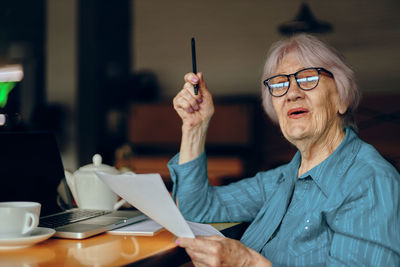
(31, 170)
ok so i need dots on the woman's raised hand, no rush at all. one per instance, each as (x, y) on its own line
(194, 110)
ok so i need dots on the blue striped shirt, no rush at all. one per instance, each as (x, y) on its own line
(343, 212)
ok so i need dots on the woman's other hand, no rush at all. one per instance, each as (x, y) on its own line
(196, 112)
(220, 251)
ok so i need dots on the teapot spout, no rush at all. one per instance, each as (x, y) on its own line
(71, 184)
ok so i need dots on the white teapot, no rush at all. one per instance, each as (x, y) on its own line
(89, 191)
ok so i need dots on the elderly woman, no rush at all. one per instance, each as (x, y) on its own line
(335, 203)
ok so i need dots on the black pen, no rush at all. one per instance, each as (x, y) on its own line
(196, 86)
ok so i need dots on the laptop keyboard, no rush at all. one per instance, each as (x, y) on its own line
(68, 217)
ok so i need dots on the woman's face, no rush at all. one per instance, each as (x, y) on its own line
(307, 115)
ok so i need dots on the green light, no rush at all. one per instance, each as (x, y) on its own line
(5, 89)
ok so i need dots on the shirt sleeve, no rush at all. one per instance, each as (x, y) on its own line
(367, 225)
(199, 201)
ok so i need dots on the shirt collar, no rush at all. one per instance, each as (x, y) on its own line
(291, 169)
(327, 175)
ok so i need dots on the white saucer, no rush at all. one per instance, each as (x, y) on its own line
(37, 235)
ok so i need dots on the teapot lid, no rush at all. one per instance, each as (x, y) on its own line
(98, 166)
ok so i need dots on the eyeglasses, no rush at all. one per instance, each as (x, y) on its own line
(307, 79)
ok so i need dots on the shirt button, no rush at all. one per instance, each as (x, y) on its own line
(307, 220)
(306, 227)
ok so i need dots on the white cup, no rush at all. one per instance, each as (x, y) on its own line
(18, 219)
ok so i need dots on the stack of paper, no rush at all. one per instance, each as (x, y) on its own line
(151, 228)
(145, 228)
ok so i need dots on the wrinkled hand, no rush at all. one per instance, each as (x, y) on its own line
(194, 110)
(220, 251)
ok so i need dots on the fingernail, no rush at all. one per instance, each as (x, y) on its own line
(177, 242)
(196, 107)
(191, 110)
(200, 100)
(195, 80)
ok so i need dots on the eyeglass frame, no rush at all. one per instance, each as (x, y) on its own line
(318, 69)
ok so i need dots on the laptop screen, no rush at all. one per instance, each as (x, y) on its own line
(30, 169)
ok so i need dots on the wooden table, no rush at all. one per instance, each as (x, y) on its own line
(102, 250)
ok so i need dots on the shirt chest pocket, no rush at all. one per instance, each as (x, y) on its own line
(312, 234)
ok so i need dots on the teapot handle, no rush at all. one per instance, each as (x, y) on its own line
(71, 184)
(119, 204)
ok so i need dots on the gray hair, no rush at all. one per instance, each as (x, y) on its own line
(312, 52)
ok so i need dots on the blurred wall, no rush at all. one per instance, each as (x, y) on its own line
(233, 37)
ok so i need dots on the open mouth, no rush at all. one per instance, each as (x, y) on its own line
(297, 112)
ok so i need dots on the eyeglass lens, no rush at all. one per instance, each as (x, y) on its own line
(306, 79)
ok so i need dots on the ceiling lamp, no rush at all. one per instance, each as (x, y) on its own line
(305, 22)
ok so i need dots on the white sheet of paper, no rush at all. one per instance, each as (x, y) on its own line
(147, 193)
(200, 229)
